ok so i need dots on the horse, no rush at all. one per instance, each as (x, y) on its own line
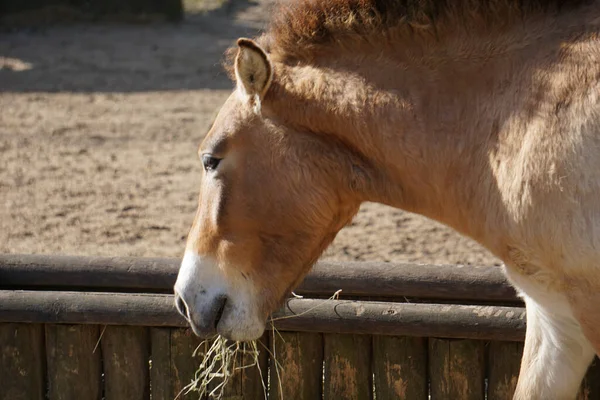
(483, 115)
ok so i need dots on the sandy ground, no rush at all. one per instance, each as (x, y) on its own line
(99, 126)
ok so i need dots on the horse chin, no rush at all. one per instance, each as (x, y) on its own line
(239, 326)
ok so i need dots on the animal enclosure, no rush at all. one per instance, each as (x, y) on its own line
(92, 328)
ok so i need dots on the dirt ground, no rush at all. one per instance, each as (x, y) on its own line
(99, 126)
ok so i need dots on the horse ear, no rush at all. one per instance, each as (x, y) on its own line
(253, 71)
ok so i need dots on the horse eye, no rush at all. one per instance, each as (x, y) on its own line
(210, 163)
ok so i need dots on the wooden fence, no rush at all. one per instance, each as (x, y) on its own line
(106, 328)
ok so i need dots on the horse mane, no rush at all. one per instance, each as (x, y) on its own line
(303, 29)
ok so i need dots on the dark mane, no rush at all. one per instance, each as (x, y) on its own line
(302, 29)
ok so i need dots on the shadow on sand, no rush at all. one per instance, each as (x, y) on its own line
(103, 57)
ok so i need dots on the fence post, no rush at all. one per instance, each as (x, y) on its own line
(504, 361)
(457, 369)
(22, 362)
(296, 366)
(173, 366)
(255, 379)
(125, 355)
(74, 367)
(348, 367)
(400, 367)
(161, 371)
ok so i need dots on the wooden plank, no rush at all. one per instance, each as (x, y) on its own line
(233, 389)
(215, 387)
(347, 367)
(125, 353)
(380, 279)
(300, 360)
(255, 379)
(161, 370)
(250, 375)
(74, 368)
(173, 366)
(183, 345)
(590, 388)
(312, 315)
(504, 361)
(400, 367)
(22, 362)
(457, 369)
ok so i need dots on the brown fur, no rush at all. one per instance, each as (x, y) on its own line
(483, 115)
(304, 29)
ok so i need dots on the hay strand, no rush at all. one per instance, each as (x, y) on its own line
(220, 361)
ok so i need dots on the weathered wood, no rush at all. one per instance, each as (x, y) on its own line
(590, 388)
(125, 355)
(331, 316)
(255, 379)
(396, 280)
(83, 273)
(161, 371)
(214, 389)
(457, 369)
(347, 367)
(173, 364)
(403, 319)
(450, 282)
(89, 308)
(74, 368)
(233, 389)
(184, 364)
(400, 368)
(249, 381)
(296, 366)
(504, 361)
(22, 362)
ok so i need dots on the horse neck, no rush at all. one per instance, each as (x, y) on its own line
(416, 138)
(428, 117)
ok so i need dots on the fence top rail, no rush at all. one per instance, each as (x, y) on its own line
(298, 315)
(357, 279)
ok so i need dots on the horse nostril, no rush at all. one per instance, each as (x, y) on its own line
(203, 318)
(182, 307)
